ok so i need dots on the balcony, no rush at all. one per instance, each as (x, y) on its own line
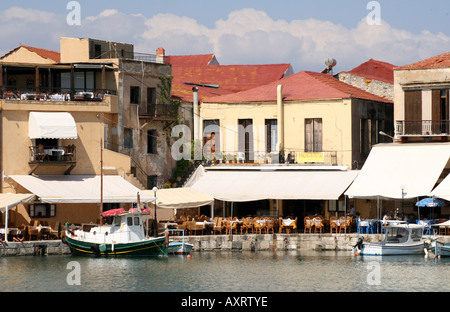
(326, 158)
(52, 156)
(422, 128)
(158, 111)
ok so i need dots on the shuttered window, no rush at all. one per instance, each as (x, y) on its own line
(313, 135)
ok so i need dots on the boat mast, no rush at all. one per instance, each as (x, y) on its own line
(101, 181)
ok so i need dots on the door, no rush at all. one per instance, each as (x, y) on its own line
(245, 139)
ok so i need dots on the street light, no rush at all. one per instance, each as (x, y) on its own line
(403, 196)
(155, 223)
(385, 134)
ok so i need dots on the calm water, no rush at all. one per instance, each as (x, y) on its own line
(228, 272)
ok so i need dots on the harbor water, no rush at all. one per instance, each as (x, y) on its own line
(263, 271)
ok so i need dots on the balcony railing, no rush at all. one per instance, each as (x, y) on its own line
(422, 128)
(291, 157)
(135, 56)
(157, 111)
(52, 154)
(56, 95)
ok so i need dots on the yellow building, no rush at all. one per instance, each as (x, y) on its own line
(307, 118)
(59, 109)
(421, 97)
(307, 131)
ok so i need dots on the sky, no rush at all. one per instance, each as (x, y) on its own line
(301, 33)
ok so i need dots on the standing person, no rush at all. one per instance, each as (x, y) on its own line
(352, 211)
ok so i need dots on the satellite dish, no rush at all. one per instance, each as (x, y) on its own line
(330, 62)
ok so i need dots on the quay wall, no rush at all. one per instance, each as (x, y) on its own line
(207, 243)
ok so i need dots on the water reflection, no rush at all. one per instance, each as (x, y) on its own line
(277, 271)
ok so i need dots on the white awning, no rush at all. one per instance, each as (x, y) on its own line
(180, 198)
(80, 188)
(9, 200)
(391, 167)
(51, 126)
(243, 186)
(443, 189)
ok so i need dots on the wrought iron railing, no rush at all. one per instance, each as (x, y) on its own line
(289, 157)
(422, 127)
(40, 153)
(135, 56)
(55, 95)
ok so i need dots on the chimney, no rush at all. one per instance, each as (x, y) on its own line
(160, 55)
(280, 121)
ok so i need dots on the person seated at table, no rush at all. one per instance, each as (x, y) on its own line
(18, 238)
(386, 217)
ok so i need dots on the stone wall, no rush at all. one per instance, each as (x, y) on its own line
(379, 88)
(255, 242)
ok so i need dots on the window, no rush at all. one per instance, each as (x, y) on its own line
(245, 138)
(152, 181)
(313, 135)
(271, 135)
(368, 135)
(128, 138)
(42, 210)
(413, 112)
(151, 102)
(97, 51)
(152, 142)
(211, 137)
(134, 95)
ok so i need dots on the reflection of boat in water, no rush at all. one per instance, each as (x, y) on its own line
(179, 248)
(124, 237)
(401, 239)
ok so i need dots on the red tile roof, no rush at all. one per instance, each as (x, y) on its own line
(47, 54)
(438, 61)
(300, 87)
(189, 60)
(229, 78)
(375, 70)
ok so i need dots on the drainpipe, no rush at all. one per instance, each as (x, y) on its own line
(196, 117)
(280, 121)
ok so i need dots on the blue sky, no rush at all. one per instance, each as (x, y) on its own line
(302, 33)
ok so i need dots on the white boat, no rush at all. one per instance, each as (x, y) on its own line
(179, 248)
(124, 237)
(401, 239)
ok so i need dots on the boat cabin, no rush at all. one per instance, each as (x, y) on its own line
(403, 233)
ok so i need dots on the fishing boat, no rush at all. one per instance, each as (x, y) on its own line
(179, 248)
(400, 239)
(124, 237)
(442, 250)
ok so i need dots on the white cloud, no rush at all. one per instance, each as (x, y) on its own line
(246, 36)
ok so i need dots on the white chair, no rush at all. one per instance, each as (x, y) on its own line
(240, 156)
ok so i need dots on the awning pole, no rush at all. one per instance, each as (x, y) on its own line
(7, 216)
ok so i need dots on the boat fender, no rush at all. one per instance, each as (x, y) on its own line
(95, 249)
(63, 239)
(102, 248)
(167, 239)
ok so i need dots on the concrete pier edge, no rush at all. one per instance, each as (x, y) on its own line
(208, 243)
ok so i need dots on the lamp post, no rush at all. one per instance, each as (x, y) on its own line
(403, 196)
(155, 223)
(387, 135)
